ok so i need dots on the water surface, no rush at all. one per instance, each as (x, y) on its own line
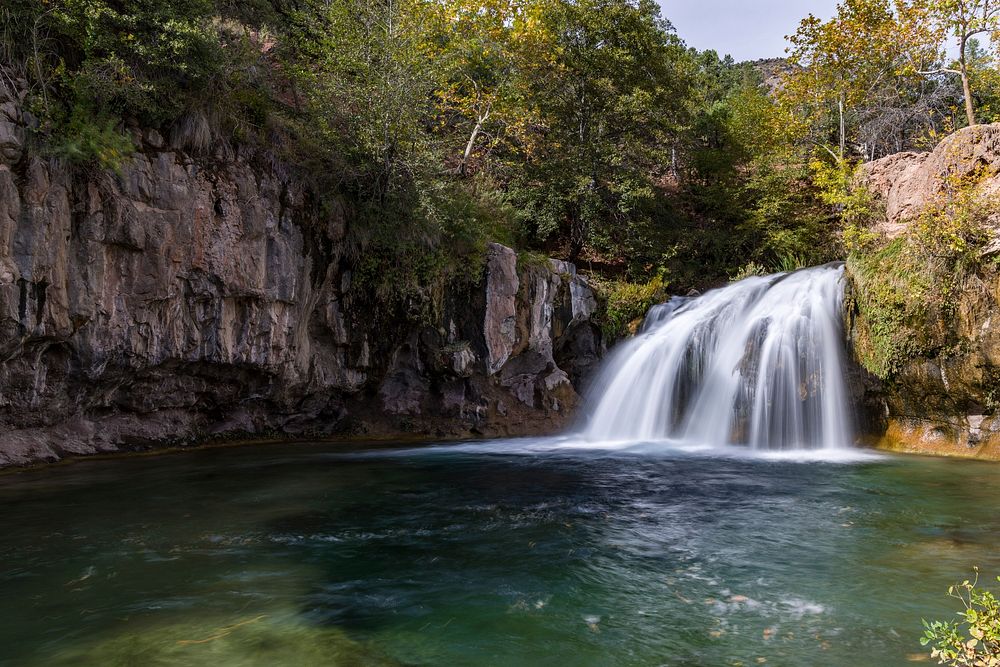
(510, 553)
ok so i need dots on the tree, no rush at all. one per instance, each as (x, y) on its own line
(611, 101)
(963, 20)
(486, 51)
(984, 78)
(368, 87)
(862, 76)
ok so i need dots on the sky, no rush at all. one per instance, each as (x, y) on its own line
(745, 29)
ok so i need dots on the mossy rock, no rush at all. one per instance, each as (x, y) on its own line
(253, 641)
(902, 304)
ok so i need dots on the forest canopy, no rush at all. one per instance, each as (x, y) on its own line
(585, 129)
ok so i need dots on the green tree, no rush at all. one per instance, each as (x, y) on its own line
(984, 79)
(962, 20)
(487, 50)
(610, 106)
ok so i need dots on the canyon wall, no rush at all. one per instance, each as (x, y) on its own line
(185, 298)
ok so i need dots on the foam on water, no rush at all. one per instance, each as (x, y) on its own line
(575, 445)
(751, 370)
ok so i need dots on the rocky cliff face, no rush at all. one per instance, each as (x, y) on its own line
(186, 298)
(942, 398)
(908, 182)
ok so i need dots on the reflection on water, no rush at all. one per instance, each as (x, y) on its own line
(525, 552)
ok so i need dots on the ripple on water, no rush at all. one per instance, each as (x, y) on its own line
(519, 552)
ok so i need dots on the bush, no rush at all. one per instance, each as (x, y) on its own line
(973, 641)
(137, 58)
(625, 304)
(787, 219)
(857, 206)
(91, 138)
(955, 225)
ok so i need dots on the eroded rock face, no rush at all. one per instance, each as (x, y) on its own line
(946, 400)
(186, 298)
(499, 326)
(907, 182)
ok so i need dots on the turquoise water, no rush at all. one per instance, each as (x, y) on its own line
(497, 554)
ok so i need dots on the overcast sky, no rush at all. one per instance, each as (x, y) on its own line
(745, 29)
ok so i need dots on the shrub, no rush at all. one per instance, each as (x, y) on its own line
(955, 225)
(91, 138)
(974, 640)
(788, 219)
(749, 270)
(626, 303)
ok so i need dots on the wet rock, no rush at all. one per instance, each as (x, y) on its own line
(11, 142)
(405, 386)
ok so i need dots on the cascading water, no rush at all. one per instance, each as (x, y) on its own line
(757, 363)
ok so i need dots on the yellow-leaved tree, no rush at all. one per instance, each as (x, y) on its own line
(962, 21)
(486, 50)
(858, 75)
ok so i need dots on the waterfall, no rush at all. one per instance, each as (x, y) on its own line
(757, 363)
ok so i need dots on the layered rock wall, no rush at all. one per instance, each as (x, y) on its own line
(186, 298)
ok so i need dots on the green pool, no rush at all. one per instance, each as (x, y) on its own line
(503, 553)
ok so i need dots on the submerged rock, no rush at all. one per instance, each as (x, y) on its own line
(250, 641)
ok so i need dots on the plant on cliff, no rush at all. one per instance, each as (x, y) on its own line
(625, 304)
(906, 289)
(895, 290)
(955, 224)
(94, 66)
(88, 136)
(974, 640)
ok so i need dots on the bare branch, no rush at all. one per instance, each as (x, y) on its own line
(943, 70)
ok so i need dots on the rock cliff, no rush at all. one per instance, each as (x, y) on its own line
(941, 393)
(907, 182)
(193, 297)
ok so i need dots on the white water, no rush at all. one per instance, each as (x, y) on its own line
(757, 364)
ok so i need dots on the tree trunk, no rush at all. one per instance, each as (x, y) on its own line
(469, 146)
(843, 139)
(970, 112)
